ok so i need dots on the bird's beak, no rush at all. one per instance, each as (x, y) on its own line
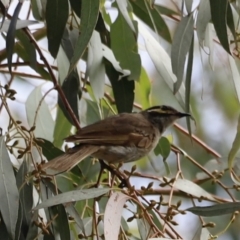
(180, 115)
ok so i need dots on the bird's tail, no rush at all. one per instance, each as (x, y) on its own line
(67, 161)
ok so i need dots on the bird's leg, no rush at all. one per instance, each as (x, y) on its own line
(113, 171)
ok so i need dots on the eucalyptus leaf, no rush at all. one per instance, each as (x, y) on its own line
(72, 196)
(215, 210)
(9, 203)
(181, 44)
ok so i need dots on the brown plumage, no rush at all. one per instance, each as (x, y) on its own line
(124, 137)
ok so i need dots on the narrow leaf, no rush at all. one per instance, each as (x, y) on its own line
(235, 147)
(123, 7)
(89, 16)
(123, 90)
(219, 19)
(26, 195)
(44, 123)
(188, 84)
(8, 191)
(161, 62)
(191, 188)
(140, 10)
(113, 214)
(203, 18)
(181, 43)
(71, 88)
(10, 39)
(56, 19)
(215, 210)
(72, 196)
(95, 66)
(124, 47)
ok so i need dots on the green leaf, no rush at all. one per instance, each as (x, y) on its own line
(70, 87)
(189, 187)
(124, 46)
(143, 89)
(140, 10)
(162, 63)
(230, 22)
(44, 122)
(62, 129)
(123, 8)
(203, 18)
(235, 69)
(56, 19)
(26, 195)
(76, 6)
(28, 47)
(215, 210)
(89, 16)
(95, 66)
(235, 146)
(123, 90)
(10, 39)
(181, 43)
(49, 150)
(60, 223)
(163, 148)
(9, 203)
(219, 19)
(188, 84)
(72, 196)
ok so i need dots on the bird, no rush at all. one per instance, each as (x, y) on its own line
(121, 138)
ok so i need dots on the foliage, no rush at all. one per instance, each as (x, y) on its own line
(94, 67)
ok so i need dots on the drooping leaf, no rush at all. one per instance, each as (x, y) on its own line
(113, 214)
(28, 48)
(4, 12)
(162, 63)
(60, 223)
(189, 187)
(49, 150)
(76, 6)
(124, 47)
(44, 123)
(123, 90)
(123, 8)
(203, 18)
(56, 19)
(140, 10)
(235, 69)
(26, 196)
(219, 19)
(163, 148)
(215, 210)
(89, 16)
(108, 55)
(235, 147)
(143, 89)
(230, 22)
(9, 203)
(188, 84)
(70, 87)
(10, 39)
(62, 128)
(181, 43)
(72, 196)
(95, 66)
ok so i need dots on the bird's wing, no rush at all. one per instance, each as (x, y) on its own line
(123, 129)
(67, 161)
